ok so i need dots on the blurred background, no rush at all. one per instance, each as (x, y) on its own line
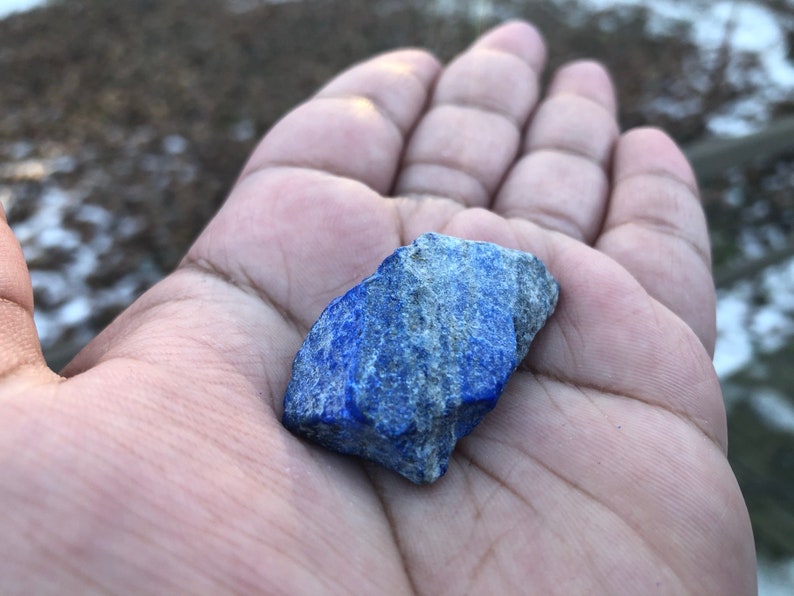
(124, 124)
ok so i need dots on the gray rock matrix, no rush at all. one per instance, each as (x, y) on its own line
(410, 360)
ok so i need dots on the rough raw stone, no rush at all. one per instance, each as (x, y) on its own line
(411, 359)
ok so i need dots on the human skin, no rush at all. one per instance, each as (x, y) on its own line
(156, 462)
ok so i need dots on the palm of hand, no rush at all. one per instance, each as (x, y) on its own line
(603, 467)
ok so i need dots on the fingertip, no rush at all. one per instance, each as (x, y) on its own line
(587, 78)
(393, 80)
(519, 38)
(651, 150)
(418, 63)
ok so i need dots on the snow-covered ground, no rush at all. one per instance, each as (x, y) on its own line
(744, 328)
(744, 26)
(68, 240)
(10, 6)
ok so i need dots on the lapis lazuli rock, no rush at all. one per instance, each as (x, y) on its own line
(411, 359)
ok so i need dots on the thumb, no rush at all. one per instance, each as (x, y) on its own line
(20, 350)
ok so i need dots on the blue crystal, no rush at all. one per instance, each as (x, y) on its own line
(410, 360)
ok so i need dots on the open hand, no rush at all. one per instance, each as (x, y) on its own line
(157, 462)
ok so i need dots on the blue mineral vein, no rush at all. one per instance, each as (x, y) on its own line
(411, 359)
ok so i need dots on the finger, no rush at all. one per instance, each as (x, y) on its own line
(656, 228)
(561, 182)
(355, 126)
(19, 342)
(471, 134)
